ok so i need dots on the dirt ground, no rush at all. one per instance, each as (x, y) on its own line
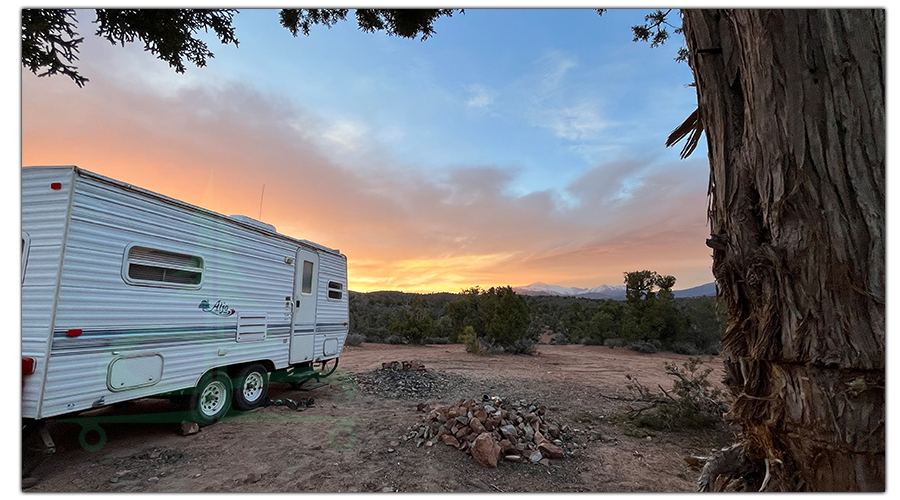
(350, 441)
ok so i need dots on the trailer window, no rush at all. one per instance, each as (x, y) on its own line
(335, 290)
(306, 284)
(150, 266)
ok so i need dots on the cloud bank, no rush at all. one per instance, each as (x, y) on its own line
(401, 227)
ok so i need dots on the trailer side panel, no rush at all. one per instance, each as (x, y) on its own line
(46, 194)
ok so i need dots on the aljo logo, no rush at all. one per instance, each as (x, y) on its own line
(219, 308)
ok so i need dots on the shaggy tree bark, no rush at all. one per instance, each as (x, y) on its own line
(793, 105)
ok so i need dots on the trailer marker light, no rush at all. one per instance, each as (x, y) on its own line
(27, 366)
(74, 332)
(56, 186)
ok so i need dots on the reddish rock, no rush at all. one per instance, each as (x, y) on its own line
(449, 440)
(481, 415)
(452, 412)
(461, 432)
(506, 445)
(484, 451)
(539, 438)
(476, 425)
(550, 450)
(513, 458)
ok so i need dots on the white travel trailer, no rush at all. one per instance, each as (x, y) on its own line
(128, 294)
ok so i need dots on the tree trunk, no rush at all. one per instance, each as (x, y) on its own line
(793, 105)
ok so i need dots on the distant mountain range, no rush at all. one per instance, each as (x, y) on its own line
(603, 291)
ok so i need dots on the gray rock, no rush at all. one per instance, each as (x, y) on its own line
(529, 433)
(536, 457)
(509, 431)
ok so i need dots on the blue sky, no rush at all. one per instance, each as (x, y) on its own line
(513, 146)
(542, 93)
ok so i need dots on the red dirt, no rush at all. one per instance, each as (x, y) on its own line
(344, 442)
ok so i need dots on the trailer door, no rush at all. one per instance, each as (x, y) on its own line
(303, 321)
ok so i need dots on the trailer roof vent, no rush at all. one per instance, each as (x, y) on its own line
(253, 222)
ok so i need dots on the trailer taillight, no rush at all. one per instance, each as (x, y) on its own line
(27, 366)
(56, 186)
(73, 333)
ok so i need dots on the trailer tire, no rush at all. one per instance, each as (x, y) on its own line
(211, 399)
(251, 386)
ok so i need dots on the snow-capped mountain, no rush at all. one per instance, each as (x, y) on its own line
(616, 292)
(545, 289)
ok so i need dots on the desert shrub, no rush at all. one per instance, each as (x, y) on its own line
(642, 346)
(613, 343)
(355, 339)
(478, 345)
(395, 339)
(437, 340)
(521, 346)
(684, 347)
(656, 343)
(560, 339)
(591, 341)
(693, 403)
(471, 340)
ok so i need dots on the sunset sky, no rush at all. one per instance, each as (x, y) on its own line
(513, 146)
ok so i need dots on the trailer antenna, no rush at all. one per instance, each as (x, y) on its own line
(261, 200)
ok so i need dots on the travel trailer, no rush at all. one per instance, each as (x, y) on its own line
(129, 294)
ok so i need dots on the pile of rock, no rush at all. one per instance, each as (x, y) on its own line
(417, 384)
(406, 366)
(492, 430)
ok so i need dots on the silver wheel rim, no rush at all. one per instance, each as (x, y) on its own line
(213, 399)
(253, 387)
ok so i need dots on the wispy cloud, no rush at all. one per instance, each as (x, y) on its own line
(479, 96)
(552, 68)
(578, 122)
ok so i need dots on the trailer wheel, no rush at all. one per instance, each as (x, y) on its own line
(211, 399)
(251, 386)
(326, 368)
